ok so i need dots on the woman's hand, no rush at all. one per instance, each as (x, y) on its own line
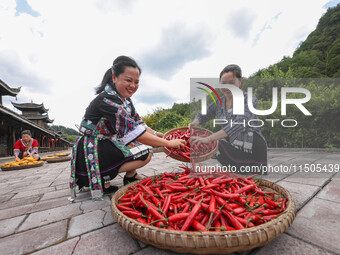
(193, 124)
(159, 134)
(176, 143)
(198, 140)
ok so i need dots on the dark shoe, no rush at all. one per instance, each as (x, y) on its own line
(111, 189)
(127, 180)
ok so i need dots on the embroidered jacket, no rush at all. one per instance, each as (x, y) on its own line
(119, 117)
(20, 145)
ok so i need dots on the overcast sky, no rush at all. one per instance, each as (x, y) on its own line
(58, 50)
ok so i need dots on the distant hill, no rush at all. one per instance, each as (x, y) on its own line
(319, 55)
(69, 133)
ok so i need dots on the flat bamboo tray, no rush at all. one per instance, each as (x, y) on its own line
(210, 242)
(62, 154)
(10, 168)
(45, 158)
(196, 159)
(56, 160)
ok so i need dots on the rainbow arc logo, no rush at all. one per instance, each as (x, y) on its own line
(209, 93)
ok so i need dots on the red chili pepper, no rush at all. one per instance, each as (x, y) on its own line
(269, 212)
(245, 188)
(260, 201)
(145, 181)
(201, 181)
(233, 220)
(216, 217)
(204, 206)
(176, 187)
(260, 192)
(156, 201)
(159, 193)
(198, 226)
(228, 228)
(212, 208)
(273, 203)
(125, 199)
(283, 204)
(223, 203)
(191, 217)
(221, 180)
(224, 221)
(186, 208)
(166, 204)
(244, 222)
(226, 196)
(178, 216)
(147, 190)
(211, 186)
(239, 210)
(124, 208)
(152, 209)
(133, 214)
(205, 219)
(141, 221)
(126, 203)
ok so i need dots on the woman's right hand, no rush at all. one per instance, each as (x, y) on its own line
(193, 124)
(176, 143)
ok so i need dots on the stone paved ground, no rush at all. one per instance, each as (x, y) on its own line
(36, 217)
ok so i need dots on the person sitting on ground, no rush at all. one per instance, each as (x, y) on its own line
(241, 147)
(26, 146)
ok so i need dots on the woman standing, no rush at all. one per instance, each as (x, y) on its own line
(113, 138)
(239, 145)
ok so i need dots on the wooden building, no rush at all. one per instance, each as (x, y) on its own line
(36, 113)
(36, 120)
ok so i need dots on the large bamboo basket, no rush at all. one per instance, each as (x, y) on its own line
(208, 242)
(11, 168)
(196, 159)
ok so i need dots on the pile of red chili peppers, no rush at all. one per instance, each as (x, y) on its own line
(194, 150)
(180, 201)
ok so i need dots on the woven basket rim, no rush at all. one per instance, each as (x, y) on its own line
(197, 159)
(290, 208)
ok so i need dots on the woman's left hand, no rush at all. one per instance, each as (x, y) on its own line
(198, 140)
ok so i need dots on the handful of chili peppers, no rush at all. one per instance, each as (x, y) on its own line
(180, 201)
(190, 150)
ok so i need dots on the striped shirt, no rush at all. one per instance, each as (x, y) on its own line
(237, 127)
